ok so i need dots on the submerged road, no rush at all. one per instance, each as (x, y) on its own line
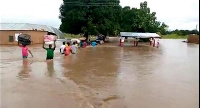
(107, 76)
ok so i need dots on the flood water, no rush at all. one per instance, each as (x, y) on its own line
(106, 76)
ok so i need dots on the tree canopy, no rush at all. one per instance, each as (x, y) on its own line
(107, 17)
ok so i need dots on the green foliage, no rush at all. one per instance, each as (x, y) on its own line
(183, 32)
(107, 20)
(174, 36)
(71, 36)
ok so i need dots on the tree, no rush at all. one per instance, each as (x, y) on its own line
(89, 16)
(107, 17)
(163, 29)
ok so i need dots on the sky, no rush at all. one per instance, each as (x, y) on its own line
(177, 14)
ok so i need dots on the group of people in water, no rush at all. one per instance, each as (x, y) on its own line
(135, 41)
(153, 41)
(66, 48)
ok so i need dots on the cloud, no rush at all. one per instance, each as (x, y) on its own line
(31, 11)
(178, 14)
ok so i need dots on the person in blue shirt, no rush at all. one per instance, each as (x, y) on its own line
(94, 43)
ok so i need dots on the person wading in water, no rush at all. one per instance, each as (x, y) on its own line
(50, 51)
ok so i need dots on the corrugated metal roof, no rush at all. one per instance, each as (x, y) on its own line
(27, 26)
(139, 35)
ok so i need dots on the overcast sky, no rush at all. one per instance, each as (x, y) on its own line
(178, 14)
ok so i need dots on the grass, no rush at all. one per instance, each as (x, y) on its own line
(71, 36)
(173, 36)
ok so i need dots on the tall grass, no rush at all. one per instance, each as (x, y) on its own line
(174, 36)
(77, 36)
(73, 36)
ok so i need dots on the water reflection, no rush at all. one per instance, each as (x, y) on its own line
(25, 70)
(50, 68)
(95, 70)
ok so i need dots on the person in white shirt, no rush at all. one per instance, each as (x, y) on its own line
(62, 47)
(122, 41)
(74, 48)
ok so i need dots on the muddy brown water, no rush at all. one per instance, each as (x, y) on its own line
(107, 76)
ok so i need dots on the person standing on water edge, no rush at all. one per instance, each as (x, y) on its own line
(25, 51)
(50, 51)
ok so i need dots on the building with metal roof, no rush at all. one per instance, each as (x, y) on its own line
(9, 32)
(139, 35)
(27, 26)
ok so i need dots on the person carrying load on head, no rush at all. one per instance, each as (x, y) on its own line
(50, 50)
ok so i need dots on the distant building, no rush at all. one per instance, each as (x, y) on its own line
(10, 31)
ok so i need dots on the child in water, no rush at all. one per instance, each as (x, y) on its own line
(25, 51)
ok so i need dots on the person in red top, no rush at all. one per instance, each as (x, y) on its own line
(84, 44)
(67, 49)
(25, 51)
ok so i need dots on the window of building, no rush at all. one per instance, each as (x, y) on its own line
(11, 39)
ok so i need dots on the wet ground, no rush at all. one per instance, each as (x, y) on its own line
(107, 76)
